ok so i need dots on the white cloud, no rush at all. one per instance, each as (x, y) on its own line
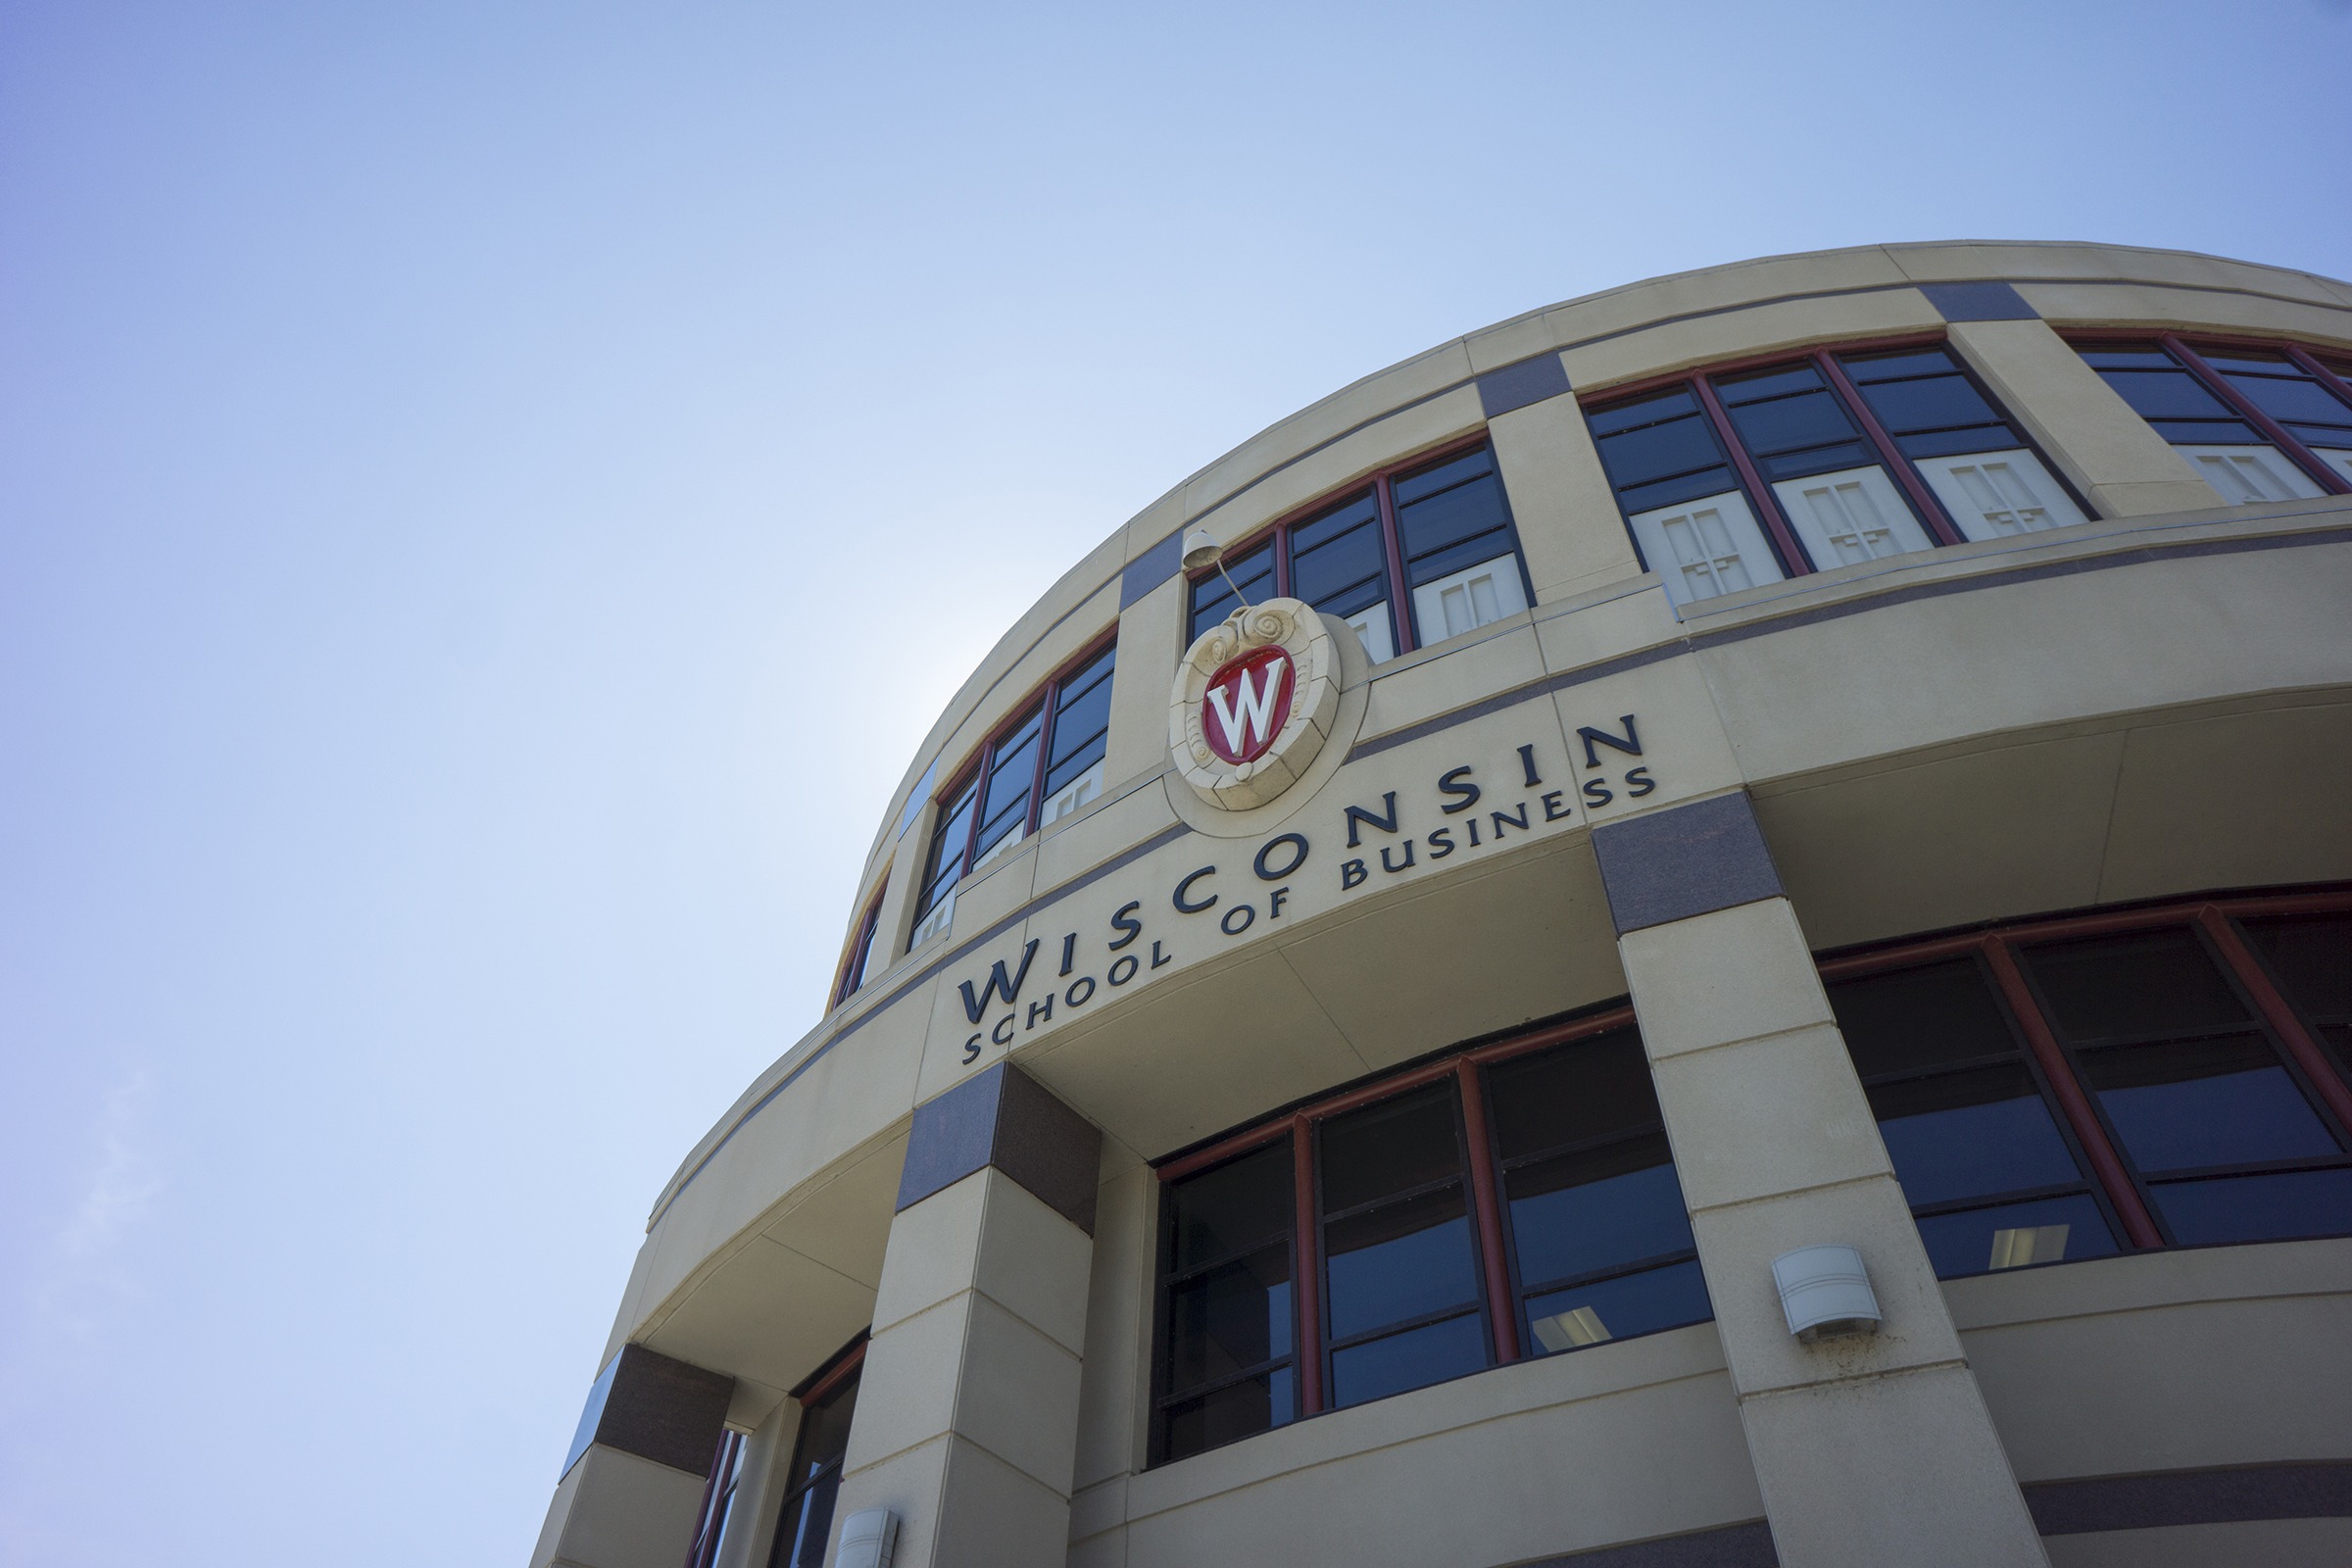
(117, 1198)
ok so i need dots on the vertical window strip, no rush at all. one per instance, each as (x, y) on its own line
(1914, 489)
(862, 948)
(1759, 494)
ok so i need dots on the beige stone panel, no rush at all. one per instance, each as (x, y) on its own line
(1184, 1063)
(1570, 529)
(2136, 1280)
(1020, 1399)
(993, 1516)
(1329, 468)
(759, 1486)
(1735, 334)
(1618, 1376)
(844, 1221)
(1768, 1117)
(1522, 337)
(1107, 1549)
(2114, 640)
(1155, 523)
(1306, 438)
(910, 1483)
(559, 1510)
(1453, 674)
(1734, 974)
(2094, 438)
(1684, 746)
(1034, 1263)
(1106, 829)
(1097, 1507)
(1526, 939)
(1946, 842)
(2171, 1388)
(934, 1251)
(1723, 289)
(907, 1390)
(751, 1403)
(1898, 1469)
(1661, 1460)
(1736, 1248)
(1118, 1327)
(624, 1512)
(729, 1320)
(1150, 641)
(632, 1306)
(1000, 888)
(1606, 625)
(2269, 1543)
(2133, 305)
(2264, 795)
(891, 921)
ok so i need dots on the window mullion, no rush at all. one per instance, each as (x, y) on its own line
(1759, 494)
(1308, 1265)
(1406, 635)
(2329, 481)
(2089, 1132)
(1922, 500)
(2280, 1015)
(1045, 755)
(2334, 380)
(1279, 541)
(1503, 1303)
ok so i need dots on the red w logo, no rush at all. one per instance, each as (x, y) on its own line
(1248, 702)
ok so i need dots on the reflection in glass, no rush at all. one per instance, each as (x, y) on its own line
(2185, 1103)
(1619, 1308)
(1412, 1359)
(1399, 1261)
(2050, 1230)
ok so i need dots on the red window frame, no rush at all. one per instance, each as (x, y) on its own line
(1823, 358)
(1042, 698)
(851, 975)
(1404, 628)
(2218, 920)
(2183, 349)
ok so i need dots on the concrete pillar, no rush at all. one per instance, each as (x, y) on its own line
(634, 1479)
(2110, 453)
(968, 1409)
(1569, 527)
(1871, 1449)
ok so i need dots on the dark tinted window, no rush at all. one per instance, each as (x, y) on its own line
(2282, 389)
(813, 1479)
(1451, 516)
(943, 869)
(2196, 1094)
(1600, 1240)
(1927, 404)
(1966, 1121)
(2170, 398)
(1791, 422)
(1660, 450)
(1228, 1318)
(2310, 958)
(1011, 773)
(1337, 562)
(1252, 571)
(1081, 722)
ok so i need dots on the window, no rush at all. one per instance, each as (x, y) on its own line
(861, 959)
(2063, 1090)
(1045, 764)
(2258, 423)
(827, 1403)
(719, 1503)
(1743, 476)
(1435, 538)
(1514, 1200)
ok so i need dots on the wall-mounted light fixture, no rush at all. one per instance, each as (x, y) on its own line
(1200, 550)
(869, 1539)
(1825, 1291)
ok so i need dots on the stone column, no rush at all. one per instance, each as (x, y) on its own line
(2111, 453)
(638, 1465)
(1567, 515)
(1870, 1451)
(968, 1409)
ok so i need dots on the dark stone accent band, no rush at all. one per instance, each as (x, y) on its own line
(1691, 859)
(2319, 1491)
(1006, 1118)
(1748, 1546)
(663, 1409)
(1979, 302)
(1516, 386)
(1149, 569)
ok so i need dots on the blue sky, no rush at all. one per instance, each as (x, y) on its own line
(492, 495)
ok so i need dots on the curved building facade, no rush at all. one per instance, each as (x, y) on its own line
(1710, 926)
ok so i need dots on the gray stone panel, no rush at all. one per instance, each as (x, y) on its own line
(1979, 302)
(1003, 1117)
(1516, 386)
(1693, 860)
(664, 1409)
(1153, 568)
(2192, 1498)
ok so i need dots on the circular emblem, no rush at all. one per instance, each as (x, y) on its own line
(1248, 701)
(1254, 698)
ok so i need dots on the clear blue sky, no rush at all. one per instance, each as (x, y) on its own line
(492, 495)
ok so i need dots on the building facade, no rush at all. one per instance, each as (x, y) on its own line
(1373, 998)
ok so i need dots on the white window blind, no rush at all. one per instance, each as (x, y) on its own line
(1372, 629)
(2335, 458)
(1705, 549)
(1851, 515)
(1076, 793)
(1998, 495)
(2243, 474)
(933, 923)
(1470, 599)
